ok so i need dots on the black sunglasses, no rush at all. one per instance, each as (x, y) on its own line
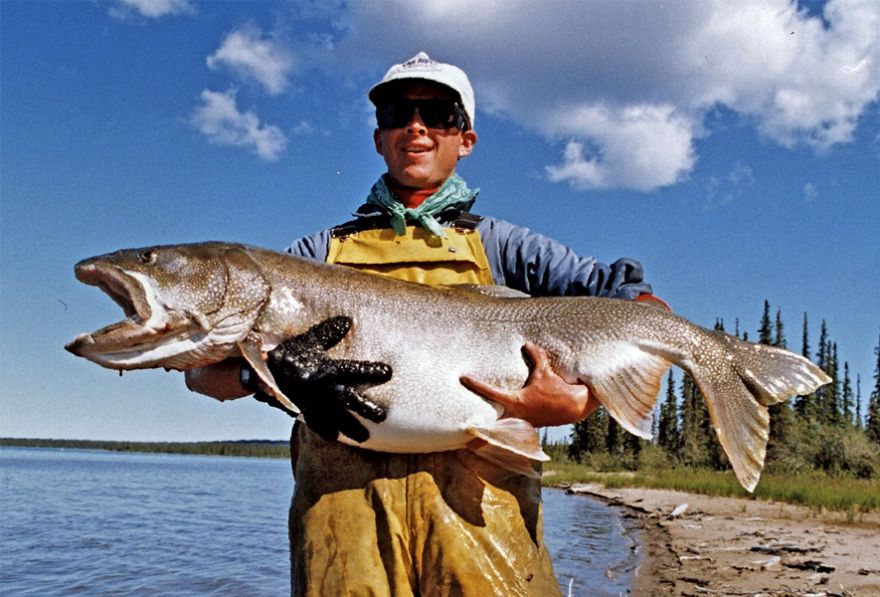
(435, 113)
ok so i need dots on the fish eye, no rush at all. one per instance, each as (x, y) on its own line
(148, 256)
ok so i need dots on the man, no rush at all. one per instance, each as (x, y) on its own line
(448, 523)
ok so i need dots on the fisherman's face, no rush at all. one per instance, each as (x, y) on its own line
(419, 156)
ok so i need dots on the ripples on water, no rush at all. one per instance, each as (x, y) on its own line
(92, 522)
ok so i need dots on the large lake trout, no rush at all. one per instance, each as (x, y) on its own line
(192, 305)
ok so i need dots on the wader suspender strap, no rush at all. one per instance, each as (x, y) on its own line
(374, 220)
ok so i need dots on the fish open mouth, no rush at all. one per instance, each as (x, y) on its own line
(128, 292)
(124, 289)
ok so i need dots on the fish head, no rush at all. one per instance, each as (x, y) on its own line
(185, 305)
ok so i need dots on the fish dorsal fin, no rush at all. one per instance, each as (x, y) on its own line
(627, 385)
(493, 291)
(512, 435)
(251, 351)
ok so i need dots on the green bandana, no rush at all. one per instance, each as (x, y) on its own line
(454, 192)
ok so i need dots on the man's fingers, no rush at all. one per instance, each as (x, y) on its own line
(322, 424)
(351, 427)
(504, 397)
(360, 404)
(329, 332)
(328, 418)
(537, 355)
(358, 372)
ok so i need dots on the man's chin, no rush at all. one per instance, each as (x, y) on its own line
(417, 178)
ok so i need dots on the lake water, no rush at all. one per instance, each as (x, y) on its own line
(101, 523)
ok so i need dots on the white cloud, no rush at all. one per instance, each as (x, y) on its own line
(219, 119)
(628, 87)
(255, 57)
(152, 9)
(639, 147)
(722, 190)
(811, 193)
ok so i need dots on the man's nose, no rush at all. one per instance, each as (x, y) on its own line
(415, 124)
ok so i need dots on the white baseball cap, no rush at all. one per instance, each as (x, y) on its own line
(421, 66)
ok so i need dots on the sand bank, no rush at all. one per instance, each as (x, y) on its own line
(700, 545)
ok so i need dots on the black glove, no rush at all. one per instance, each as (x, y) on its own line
(321, 387)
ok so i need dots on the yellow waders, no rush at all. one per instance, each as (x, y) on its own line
(446, 523)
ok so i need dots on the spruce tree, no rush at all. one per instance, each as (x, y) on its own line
(822, 362)
(699, 445)
(803, 405)
(632, 445)
(822, 355)
(779, 340)
(832, 390)
(872, 424)
(614, 438)
(805, 346)
(846, 398)
(858, 401)
(780, 413)
(764, 333)
(668, 434)
(588, 436)
(690, 423)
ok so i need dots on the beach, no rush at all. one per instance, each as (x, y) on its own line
(702, 545)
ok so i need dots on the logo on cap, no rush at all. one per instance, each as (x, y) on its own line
(420, 61)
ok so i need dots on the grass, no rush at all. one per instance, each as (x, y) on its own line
(815, 490)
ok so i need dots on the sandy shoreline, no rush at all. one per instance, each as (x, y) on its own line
(733, 546)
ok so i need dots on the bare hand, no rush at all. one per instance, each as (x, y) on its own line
(220, 381)
(545, 400)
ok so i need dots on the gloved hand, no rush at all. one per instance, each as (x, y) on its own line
(322, 387)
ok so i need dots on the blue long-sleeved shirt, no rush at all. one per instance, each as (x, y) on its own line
(522, 260)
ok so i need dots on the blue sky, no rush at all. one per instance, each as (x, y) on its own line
(734, 149)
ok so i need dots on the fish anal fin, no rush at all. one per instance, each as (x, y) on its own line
(504, 458)
(250, 350)
(512, 435)
(627, 385)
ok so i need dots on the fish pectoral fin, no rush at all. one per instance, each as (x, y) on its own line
(514, 436)
(628, 386)
(251, 352)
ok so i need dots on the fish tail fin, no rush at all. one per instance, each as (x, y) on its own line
(738, 386)
(510, 443)
(773, 374)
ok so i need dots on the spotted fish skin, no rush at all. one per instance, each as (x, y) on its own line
(197, 304)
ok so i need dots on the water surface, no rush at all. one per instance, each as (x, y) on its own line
(100, 523)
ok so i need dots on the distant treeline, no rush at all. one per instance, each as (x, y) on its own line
(253, 448)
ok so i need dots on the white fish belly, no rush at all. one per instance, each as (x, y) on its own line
(428, 409)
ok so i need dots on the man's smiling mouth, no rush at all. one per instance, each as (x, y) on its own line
(416, 149)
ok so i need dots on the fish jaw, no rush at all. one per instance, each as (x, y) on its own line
(152, 335)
